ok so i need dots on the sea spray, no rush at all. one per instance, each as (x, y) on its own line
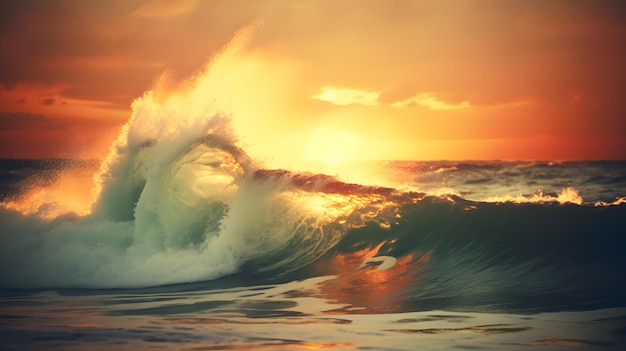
(176, 202)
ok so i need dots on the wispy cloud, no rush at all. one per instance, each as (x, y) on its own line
(346, 96)
(430, 101)
(350, 96)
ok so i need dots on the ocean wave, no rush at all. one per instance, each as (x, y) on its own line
(178, 201)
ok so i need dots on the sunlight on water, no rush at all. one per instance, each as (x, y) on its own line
(362, 282)
(332, 207)
(621, 200)
(286, 316)
(70, 192)
(566, 196)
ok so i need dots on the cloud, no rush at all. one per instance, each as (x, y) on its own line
(349, 96)
(48, 102)
(23, 121)
(346, 96)
(430, 101)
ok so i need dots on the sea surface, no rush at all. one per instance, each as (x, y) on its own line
(212, 252)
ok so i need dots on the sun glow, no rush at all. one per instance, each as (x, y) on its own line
(70, 193)
(332, 146)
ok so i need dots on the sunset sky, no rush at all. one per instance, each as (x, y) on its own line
(334, 80)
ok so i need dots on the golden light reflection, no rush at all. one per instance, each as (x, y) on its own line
(328, 199)
(333, 207)
(70, 193)
(621, 200)
(568, 195)
(368, 288)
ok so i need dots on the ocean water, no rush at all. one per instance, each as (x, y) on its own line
(179, 240)
(467, 255)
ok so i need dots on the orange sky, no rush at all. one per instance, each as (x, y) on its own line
(327, 80)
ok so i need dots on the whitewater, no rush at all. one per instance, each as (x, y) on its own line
(181, 239)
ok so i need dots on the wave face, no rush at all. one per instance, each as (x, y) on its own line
(450, 253)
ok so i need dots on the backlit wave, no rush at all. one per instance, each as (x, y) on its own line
(179, 200)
